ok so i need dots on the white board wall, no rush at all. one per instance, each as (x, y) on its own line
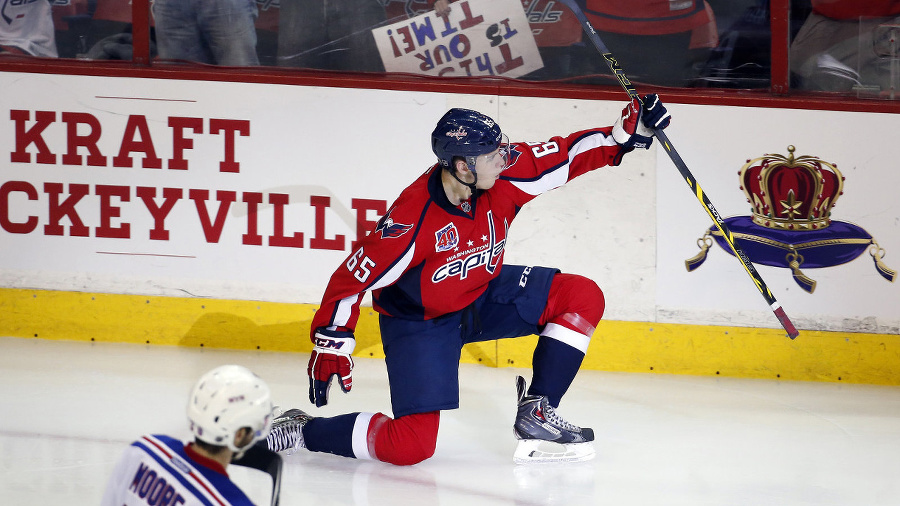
(630, 228)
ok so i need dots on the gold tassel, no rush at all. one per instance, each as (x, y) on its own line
(794, 260)
(704, 243)
(878, 253)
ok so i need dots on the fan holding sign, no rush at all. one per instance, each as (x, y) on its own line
(476, 38)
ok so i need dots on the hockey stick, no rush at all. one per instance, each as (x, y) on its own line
(686, 173)
(260, 457)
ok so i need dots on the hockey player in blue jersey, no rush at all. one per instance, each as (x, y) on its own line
(434, 266)
(229, 410)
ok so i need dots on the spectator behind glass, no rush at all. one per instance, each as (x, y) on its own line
(330, 34)
(218, 32)
(27, 28)
(847, 44)
(103, 31)
(396, 10)
(656, 41)
(560, 40)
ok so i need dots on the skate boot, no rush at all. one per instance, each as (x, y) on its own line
(544, 436)
(287, 431)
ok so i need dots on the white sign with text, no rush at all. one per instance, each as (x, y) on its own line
(477, 38)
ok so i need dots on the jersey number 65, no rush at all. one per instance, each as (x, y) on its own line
(360, 265)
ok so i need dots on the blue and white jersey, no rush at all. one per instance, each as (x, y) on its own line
(160, 471)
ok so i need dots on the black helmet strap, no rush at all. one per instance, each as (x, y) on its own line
(471, 185)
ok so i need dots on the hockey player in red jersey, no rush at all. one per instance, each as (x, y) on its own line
(434, 265)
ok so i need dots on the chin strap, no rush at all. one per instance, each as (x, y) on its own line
(470, 186)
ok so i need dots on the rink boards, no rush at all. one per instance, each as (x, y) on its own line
(270, 185)
(616, 345)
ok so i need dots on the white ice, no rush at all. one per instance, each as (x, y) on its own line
(68, 409)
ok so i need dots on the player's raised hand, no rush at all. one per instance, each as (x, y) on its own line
(634, 128)
(442, 7)
(655, 115)
(330, 358)
(629, 131)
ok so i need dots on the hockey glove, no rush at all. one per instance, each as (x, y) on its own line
(634, 127)
(655, 115)
(629, 131)
(330, 358)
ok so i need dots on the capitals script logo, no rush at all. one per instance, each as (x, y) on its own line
(390, 229)
(487, 256)
(458, 134)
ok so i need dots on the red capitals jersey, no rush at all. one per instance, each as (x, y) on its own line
(551, 22)
(427, 257)
(648, 17)
(853, 9)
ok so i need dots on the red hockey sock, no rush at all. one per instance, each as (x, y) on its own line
(574, 302)
(574, 308)
(403, 441)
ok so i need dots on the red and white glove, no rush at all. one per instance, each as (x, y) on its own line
(634, 128)
(330, 358)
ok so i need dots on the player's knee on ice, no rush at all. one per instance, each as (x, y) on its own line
(406, 440)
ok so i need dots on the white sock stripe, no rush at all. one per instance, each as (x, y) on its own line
(574, 339)
(361, 436)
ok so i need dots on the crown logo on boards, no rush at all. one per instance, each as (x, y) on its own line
(790, 226)
(791, 193)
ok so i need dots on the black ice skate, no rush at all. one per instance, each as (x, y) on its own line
(287, 431)
(544, 436)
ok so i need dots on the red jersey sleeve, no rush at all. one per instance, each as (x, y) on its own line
(378, 260)
(538, 167)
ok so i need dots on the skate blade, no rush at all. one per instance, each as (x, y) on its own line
(534, 451)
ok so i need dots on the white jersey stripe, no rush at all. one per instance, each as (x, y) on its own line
(344, 310)
(193, 478)
(394, 273)
(560, 175)
(548, 181)
(590, 142)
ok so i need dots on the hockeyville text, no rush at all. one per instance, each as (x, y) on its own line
(76, 209)
(67, 201)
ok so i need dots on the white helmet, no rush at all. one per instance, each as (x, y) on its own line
(226, 399)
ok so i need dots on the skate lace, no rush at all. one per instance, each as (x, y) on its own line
(285, 436)
(554, 418)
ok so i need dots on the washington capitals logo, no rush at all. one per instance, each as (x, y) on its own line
(460, 265)
(390, 229)
(458, 134)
